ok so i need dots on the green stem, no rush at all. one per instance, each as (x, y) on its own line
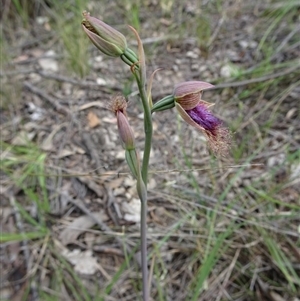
(148, 128)
(142, 192)
(144, 249)
(142, 180)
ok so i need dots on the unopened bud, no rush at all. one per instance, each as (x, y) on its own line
(118, 105)
(104, 37)
(125, 131)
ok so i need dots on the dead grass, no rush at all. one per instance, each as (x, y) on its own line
(219, 229)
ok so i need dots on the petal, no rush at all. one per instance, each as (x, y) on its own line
(186, 117)
(105, 31)
(189, 101)
(218, 137)
(188, 94)
(125, 131)
(104, 46)
(189, 87)
(219, 143)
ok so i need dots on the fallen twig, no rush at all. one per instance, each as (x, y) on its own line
(257, 80)
(53, 101)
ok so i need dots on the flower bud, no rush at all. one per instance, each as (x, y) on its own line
(125, 131)
(188, 94)
(104, 37)
(118, 106)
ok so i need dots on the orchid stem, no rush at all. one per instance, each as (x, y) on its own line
(144, 250)
(148, 128)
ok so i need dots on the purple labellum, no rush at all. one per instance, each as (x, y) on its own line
(202, 116)
(218, 136)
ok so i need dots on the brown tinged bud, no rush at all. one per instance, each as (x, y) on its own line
(104, 37)
(118, 106)
(125, 131)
